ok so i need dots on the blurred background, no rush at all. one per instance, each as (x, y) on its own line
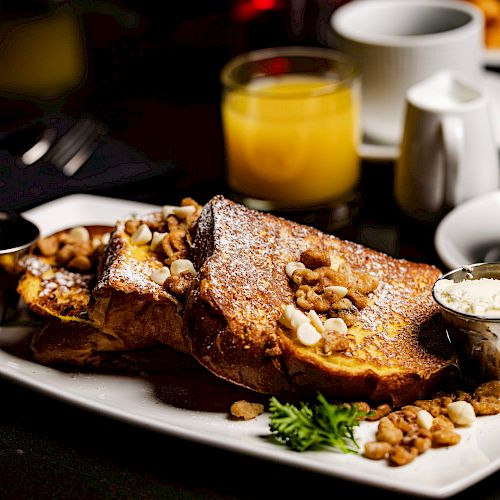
(148, 73)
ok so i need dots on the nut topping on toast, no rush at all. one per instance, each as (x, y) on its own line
(318, 288)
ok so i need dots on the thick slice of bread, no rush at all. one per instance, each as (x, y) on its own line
(126, 301)
(398, 349)
(50, 289)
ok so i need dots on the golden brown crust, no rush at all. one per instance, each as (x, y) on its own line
(398, 348)
(126, 301)
(50, 289)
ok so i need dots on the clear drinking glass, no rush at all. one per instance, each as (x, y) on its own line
(290, 118)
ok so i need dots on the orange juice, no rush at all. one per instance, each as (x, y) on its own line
(292, 139)
(42, 56)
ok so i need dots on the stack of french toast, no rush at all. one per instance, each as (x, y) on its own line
(260, 301)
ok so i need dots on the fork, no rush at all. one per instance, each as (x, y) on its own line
(70, 151)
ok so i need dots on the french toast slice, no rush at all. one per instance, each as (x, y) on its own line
(50, 286)
(127, 299)
(59, 274)
(397, 347)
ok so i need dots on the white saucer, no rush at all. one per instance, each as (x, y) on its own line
(492, 57)
(470, 233)
(389, 152)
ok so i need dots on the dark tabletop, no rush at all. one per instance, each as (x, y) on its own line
(154, 83)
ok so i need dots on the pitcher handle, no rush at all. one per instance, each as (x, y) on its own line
(452, 134)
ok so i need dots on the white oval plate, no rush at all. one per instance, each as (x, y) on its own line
(470, 232)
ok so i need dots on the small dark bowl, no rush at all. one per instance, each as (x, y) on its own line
(475, 337)
(16, 236)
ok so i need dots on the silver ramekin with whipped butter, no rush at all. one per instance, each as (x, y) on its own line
(469, 298)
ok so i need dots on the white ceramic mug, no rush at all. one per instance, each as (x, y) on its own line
(397, 44)
(448, 151)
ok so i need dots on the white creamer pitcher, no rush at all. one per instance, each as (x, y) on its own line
(448, 151)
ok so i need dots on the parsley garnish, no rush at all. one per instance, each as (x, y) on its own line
(309, 426)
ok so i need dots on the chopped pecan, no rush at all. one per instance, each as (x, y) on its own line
(307, 298)
(174, 245)
(246, 410)
(364, 282)
(332, 342)
(491, 388)
(345, 310)
(315, 258)
(131, 226)
(179, 285)
(402, 455)
(48, 246)
(377, 450)
(305, 277)
(80, 263)
(486, 405)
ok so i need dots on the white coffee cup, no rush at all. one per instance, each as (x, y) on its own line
(448, 152)
(397, 43)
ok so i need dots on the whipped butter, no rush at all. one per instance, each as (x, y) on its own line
(480, 297)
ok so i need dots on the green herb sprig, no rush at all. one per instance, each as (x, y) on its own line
(305, 426)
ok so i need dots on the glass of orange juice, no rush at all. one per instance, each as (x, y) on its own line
(290, 118)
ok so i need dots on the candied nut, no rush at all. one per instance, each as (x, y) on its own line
(486, 405)
(308, 335)
(160, 275)
(381, 411)
(377, 450)
(181, 266)
(388, 432)
(316, 321)
(424, 419)
(80, 263)
(357, 298)
(313, 259)
(336, 325)
(431, 405)
(246, 410)
(402, 455)
(410, 412)
(462, 396)
(337, 291)
(345, 310)
(142, 235)
(178, 285)
(327, 277)
(172, 223)
(131, 226)
(308, 299)
(291, 267)
(333, 342)
(491, 388)
(445, 437)
(65, 254)
(461, 413)
(422, 444)
(362, 406)
(442, 422)
(304, 277)
(365, 282)
(48, 246)
(157, 239)
(79, 234)
(174, 245)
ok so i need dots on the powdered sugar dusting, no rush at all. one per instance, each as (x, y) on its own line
(247, 254)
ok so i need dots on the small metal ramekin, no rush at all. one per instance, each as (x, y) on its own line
(16, 236)
(476, 338)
